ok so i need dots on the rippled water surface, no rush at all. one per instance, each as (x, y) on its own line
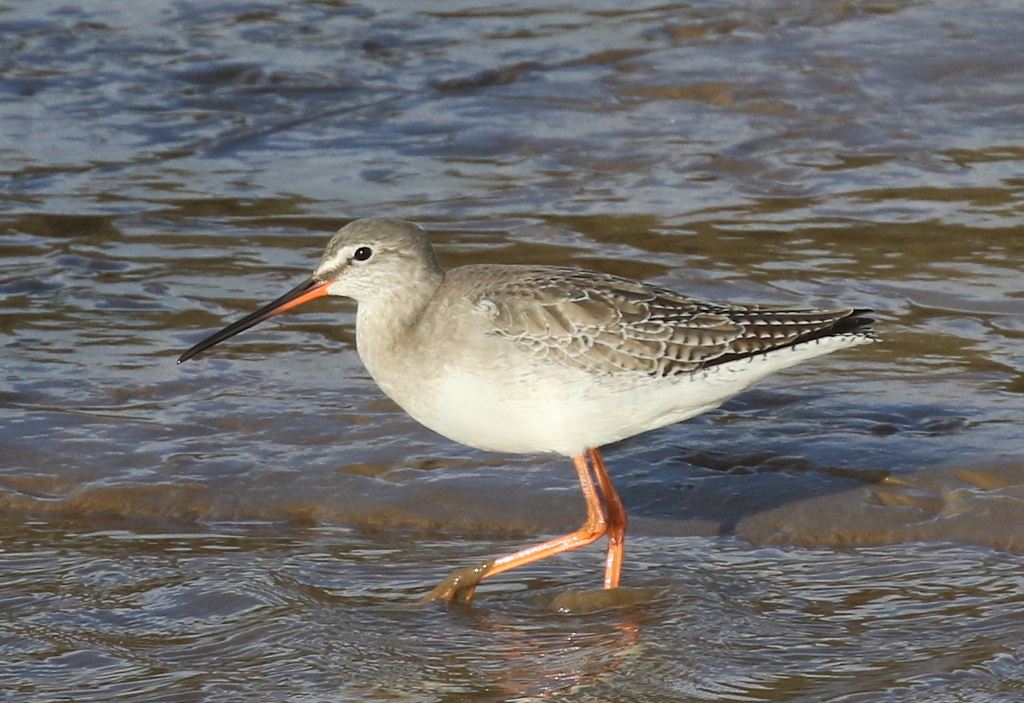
(260, 523)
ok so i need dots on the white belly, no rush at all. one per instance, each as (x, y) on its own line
(563, 410)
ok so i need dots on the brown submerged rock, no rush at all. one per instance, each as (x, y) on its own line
(601, 598)
(978, 505)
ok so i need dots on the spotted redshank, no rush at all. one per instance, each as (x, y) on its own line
(531, 359)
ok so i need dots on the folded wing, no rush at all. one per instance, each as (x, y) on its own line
(610, 325)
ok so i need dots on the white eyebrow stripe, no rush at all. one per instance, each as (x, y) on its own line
(335, 261)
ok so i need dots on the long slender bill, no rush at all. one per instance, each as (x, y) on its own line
(305, 291)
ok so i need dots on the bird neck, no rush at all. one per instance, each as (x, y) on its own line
(392, 315)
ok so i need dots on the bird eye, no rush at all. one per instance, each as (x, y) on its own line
(362, 253)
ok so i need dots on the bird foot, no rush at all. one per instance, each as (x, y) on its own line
(460, 585)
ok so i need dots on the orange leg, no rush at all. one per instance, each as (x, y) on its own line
(594, 529)
(600, 521)
(616, 518)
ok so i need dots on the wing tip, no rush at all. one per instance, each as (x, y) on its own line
(854, 326)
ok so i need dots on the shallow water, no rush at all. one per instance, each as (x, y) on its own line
(261, 522)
